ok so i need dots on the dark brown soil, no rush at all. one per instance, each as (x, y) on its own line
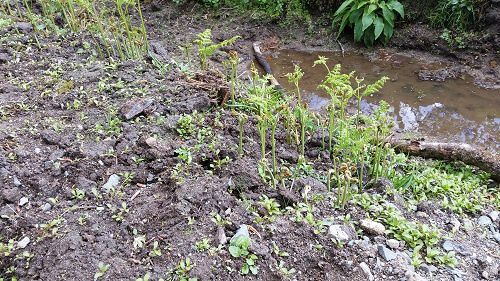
(51, 100)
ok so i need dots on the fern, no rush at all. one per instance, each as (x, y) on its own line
(206, 47)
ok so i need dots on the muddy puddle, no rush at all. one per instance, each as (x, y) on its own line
(454, 110)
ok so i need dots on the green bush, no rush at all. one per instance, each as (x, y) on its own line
(461, 15)
(371, 20)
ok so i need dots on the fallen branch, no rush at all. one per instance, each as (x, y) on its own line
(471, 155)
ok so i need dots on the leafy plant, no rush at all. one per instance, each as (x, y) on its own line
(457, 14)
(206, 47)
(371, 20)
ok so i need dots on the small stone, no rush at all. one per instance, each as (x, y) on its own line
(338, 233)
(38, 150)
(428, 268)
(23, 27)
(372, 227)
(413, 276)
(11, 195)
(496, 236)
(4, 58)
(221, 235)
(484, 221)
(151, 142)
(392, 243)
(494, 215)
(387, 254)
(113, 181)
(366, 270)
(17, 182)
(23, 201)
(23, 243)
(46, 207)
(135, 107)
(448, 245)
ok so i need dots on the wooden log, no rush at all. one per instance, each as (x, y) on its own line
(469, 154)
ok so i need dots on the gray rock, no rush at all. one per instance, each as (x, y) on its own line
(23, 201)
(113, 182)
(17, 182)
(221, 236)
(46, 207)
(366, 270)
(392, 243)
(24, 27)
(496, 236)
(494, 215)
(372, 227)
(338, 233)
(484, 221)
(7, 211)
(411, 275)
(23, 242)
(490, 272)
(448, 245)
(387, 254)
(4, 58)
(135, 107)
(451, 246)
(428, 268)
(11, 195)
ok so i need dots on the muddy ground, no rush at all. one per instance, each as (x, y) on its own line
(64, 134)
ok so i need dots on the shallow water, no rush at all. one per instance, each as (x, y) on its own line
(455, 110)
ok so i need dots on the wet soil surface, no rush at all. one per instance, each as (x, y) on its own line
(428, 98)
(88, 149)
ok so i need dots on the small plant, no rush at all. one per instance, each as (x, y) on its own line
(139, 240)
(272, 207)
(102, 269)
(77, 193)
(294, 78)
(371, 19)
(457, 14)
(206, 47)
(156, 251)
(186, 127)
(181, 271)
(242, 119)
(202, 245)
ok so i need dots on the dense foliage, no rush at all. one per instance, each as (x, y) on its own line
(370, 19)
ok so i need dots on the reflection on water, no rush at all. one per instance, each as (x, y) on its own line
(454, 110)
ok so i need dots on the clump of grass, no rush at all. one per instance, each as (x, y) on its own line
(117, 27)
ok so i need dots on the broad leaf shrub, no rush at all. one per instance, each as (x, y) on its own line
(371, 20)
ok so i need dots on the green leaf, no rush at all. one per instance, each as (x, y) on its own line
(388, 30)
(358, 30)
(398, 7)
(254, 270)
(343, 24)
(371, 8)
(388, 15)
(234, 251)
(355, 16)
(367, 20)
(379, 27)
(343, 7)
(245, 269)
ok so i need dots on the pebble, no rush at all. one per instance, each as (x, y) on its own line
(11, 195)
(450, 246)
(23, 201)
(113, 181)
(221, 235)
(428, 268)
(366, 270)
(338, 233)
(496, 235)
(135, 107)
(494, 215)
(23, 27)
(484, 221)
(386, 253)
(46, 207)
(23, 242)
(372, 227)
(17, 182)
(4, 58)
(392, 243)
(413, 276)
